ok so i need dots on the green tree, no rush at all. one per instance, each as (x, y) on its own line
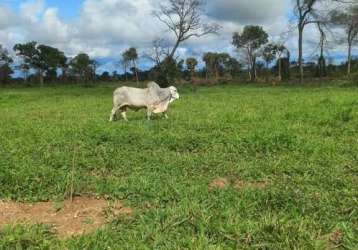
(167, 71)
(212, 64)
(269, 54)
(222, 61)
(105, 76)
(25, 68)
(280, 50)
(250, 41)
(51, 59)
(30, 57)
(191, 64)
(5, 69)
(209, 60)
(131, 55)
(219, 64)
(5, 73)
(232, 66)
(42, 58)
(82, 66)
(5, 58)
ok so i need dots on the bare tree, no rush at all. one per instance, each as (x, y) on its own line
(184, 19)
(304, 12)
(322, 44)
(322, 39)
(348, 19)
(158, 52)
(282, 53)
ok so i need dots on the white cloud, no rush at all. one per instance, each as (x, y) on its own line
(118, 21)
(7, 18)
(32, 9)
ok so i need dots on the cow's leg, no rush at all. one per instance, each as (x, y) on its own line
(149, 114)
(166, 115)
(113, 114)
(124, 115)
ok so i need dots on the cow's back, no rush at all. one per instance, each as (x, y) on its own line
(128, 96)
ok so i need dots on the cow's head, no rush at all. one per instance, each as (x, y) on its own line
(173, 93)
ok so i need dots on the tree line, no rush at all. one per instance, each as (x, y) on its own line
(258, 57)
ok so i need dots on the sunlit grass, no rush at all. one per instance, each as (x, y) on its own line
(302, 142)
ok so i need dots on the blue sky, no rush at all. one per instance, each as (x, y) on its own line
(105, 28)
(68, 9)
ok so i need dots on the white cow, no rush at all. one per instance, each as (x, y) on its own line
(155, 99)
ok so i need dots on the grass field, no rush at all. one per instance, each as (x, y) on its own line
(287, 158)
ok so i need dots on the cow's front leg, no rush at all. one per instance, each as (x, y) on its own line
(149, 114)
(166, 115)
(113, 114)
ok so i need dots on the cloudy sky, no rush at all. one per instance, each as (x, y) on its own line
(104, 28)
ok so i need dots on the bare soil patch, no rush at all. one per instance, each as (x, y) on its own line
(219, 183)
(81, 216)
(240, 184)
(336, 238)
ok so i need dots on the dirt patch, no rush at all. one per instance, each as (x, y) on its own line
(82, 215)
(219, 183)
(336, 238)
(240, 184)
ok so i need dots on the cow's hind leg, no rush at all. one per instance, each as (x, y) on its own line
(113, 114)
(124, 114)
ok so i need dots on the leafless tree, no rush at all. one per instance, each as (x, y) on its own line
(322, 45)
(348, 19)
(322, 39)
(184, 20)
(306, 13)
(158, 51)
